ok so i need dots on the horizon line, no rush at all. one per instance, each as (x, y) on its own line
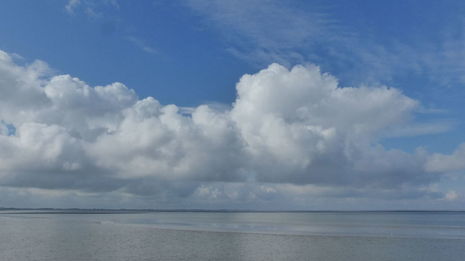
(115, 210)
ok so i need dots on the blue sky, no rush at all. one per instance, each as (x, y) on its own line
(193, 53)
(145, 44)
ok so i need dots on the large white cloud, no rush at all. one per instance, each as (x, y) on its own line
(287, 131)
(300, 126)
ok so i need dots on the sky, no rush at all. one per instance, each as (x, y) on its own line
(258, 104)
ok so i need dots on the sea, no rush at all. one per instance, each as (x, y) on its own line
(230, 235)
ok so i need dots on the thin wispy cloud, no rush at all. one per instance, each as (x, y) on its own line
(266, 31)
(142, 45)
(72, 5)
(90, 7)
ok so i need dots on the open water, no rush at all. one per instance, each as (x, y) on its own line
(133, 235)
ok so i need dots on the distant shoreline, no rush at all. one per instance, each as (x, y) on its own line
(129, 211)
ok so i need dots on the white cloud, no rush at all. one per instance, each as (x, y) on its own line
(301, 123)
(447, 163)
(72, 5)
(289, 134)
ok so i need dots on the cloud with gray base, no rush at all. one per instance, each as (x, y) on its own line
(291, 133)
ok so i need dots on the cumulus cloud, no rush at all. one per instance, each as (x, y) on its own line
(447, 163)
(289, 134)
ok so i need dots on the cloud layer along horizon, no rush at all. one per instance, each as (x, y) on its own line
(292, 135)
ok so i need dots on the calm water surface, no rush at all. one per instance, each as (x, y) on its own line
(68, 235)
